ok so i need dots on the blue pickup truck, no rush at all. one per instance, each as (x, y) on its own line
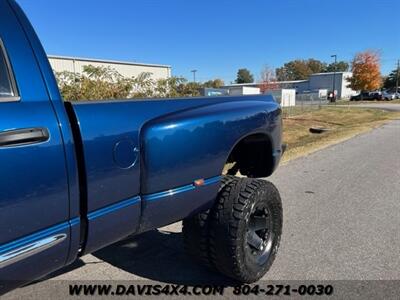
(76, 177)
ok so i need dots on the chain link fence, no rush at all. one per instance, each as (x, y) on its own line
(305, 102)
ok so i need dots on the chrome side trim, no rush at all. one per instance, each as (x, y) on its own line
(28, 250)
(181, 189)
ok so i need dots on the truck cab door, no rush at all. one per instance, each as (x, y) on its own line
(34, 205)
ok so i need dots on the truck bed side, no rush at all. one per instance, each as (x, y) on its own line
(144, 156)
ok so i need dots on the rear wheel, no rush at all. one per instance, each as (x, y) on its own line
(195, 238)
(240, 235)
(196, 233)
(245, 229)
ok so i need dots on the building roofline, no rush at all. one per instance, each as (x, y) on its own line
(107, 61)
(330, 73)
(240, 84)
(260, 83)
(289, 81)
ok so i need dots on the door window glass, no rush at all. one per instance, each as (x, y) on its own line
(7, 89)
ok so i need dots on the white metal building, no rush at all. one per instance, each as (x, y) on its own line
(126, 69)
(243, 90)
(321, 81)
(315, 84)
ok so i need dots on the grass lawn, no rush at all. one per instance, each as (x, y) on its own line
(343, 123)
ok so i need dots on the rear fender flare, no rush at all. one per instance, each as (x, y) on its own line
(181, 147)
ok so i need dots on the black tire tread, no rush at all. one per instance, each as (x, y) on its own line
(196, 232)
(225, 239)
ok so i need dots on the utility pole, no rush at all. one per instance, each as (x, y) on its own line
(334, 78)
(73, 64)
(397, 76)
(194, 75)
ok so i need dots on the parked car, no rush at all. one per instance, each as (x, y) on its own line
(367, 96)
(388, 96)
(396, 93)
(76, 177)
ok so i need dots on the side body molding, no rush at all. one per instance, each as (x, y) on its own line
(28, 250)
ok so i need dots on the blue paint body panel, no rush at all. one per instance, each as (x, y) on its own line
(177, 141)
(112, 223)
(167, 207)
(63, 122)
(36, 266)
(202, 140)
(109, 168)
(34, 185)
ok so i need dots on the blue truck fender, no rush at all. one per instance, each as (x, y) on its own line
(181, 148)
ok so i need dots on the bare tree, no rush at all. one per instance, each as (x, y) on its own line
(268, 79)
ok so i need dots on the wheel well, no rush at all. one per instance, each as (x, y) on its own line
(252, 156)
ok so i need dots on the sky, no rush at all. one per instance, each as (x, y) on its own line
(217, 37)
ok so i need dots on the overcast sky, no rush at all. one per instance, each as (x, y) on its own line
(217, 37)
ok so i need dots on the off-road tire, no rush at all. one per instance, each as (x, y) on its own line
(229, 249)
(196, 233)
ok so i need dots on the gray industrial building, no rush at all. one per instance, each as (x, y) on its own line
(315, 83)
(126, 69)
(324, 81)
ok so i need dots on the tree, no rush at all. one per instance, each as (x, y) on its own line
(106, 83)
(94, 83)
(168, 87)
(142, 86)
(341, 66)
(366, 71)
(244, 76)
(216, 83)
(315, 66)
(268, 79)
(299, 69)
(189, 89)
(293, 70)
(390, 80)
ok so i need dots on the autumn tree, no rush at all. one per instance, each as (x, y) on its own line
(366, 71)
(244, 76)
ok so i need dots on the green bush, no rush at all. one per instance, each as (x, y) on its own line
(97, 83)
